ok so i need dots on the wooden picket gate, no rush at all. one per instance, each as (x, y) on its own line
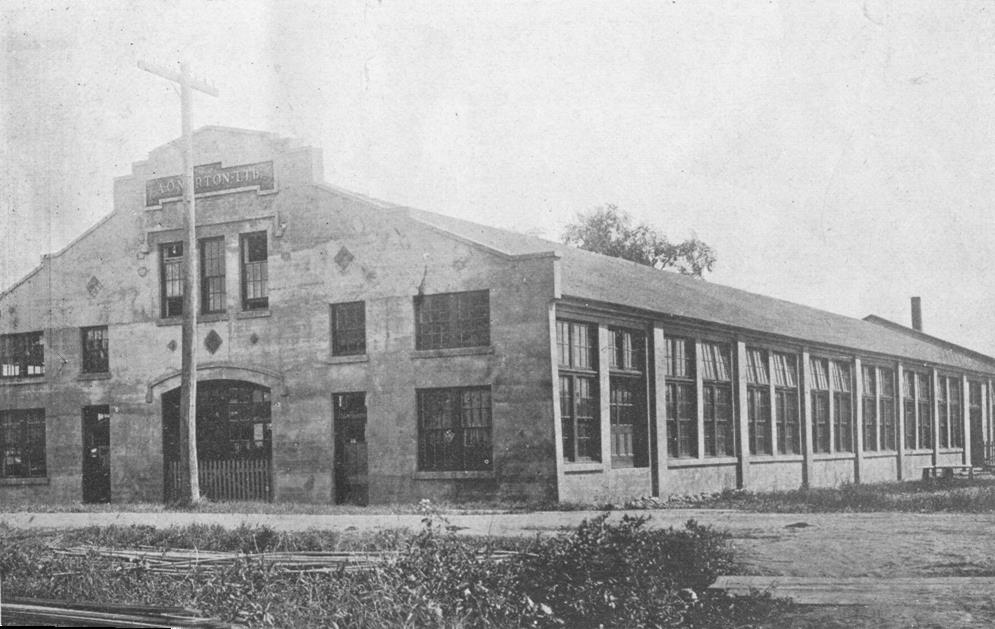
(230, 479)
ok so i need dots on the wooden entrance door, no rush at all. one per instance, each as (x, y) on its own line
(96, 454)
(351, 465)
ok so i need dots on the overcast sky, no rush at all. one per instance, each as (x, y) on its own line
(836, 154)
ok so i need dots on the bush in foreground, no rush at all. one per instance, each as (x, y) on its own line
(615, 574)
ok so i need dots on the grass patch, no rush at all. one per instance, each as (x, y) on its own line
(599, 573)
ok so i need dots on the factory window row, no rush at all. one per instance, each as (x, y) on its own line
(22, 355)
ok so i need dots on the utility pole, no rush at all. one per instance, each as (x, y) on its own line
(190, 481)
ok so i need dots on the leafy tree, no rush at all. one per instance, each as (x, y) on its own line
(610, 231)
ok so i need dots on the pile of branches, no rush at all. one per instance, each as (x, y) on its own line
(49, 613)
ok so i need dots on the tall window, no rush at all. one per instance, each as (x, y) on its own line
(886, 380)
(974, 408)
(349, 328)
(786, 403)
(682, 419)
(925, 403)
(577, 358)
(716, 389)
(758, 401)
(452, 320)
(909, 408)
(951, 419)
(22, 443)
(255, 274)
(454, 429)
(870, 407)
(842, 406)
(22, 355)
(212, 275)
(171, 279)
(627, 399)
(95, 355)
(820, 403)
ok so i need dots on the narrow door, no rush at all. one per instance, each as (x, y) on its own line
(96, 454)
(351, 485)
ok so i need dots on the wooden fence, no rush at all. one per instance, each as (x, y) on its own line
(233, 479)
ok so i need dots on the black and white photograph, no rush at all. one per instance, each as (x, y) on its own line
(497, 314)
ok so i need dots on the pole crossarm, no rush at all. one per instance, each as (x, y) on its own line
(178, 77)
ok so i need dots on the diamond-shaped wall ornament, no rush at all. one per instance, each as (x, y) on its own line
(344, 258)
(93, 286)
(212, 342)
(171, 346)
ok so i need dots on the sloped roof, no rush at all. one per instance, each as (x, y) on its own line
(594, 277)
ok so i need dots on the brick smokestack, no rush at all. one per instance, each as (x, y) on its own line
(917, 314)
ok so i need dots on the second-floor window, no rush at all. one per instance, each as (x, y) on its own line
(95, 350)
(22, 355)
(349, 328)
(255, 274)
(452, 320)
(171, 279)
(212, 275)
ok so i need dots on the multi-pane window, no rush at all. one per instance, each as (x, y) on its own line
(716, 389)
(95, 355)
(627, 399)
(22, 355)
(950, 418)
(212, 275)
(886, 409)
(454, 429)
(842, 406)
(878, 408)
(974, 407)
(235, 421)
(820, 403)
(682, 420)
(255, 273)
(22, 443)
(869, 407)
(925, 403)
(171, 279)
(577, 357)
(349, 328)
(758, 401)
(787, 418)
(909, 408)
(917, 401)
(452, 320)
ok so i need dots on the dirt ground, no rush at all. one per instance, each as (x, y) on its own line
(818, 545)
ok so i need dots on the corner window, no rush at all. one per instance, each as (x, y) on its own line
(95, 350)
(579, 399)
(454, 429)
(452, 320)
(255, 275)
(22, 355)
(22, 443)
(171, 279)
(212, 275)
(349, 328)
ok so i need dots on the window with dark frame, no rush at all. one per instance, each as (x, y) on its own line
(448, 320)
(212, 275)
(820, 404)
(579, 399)
(349, 328)
(924, 401)
(787, 417)
(974, 406)
(869, 403)
(943, 414)
(842, 406)
(22, 355)
(909, 408)
(950, 418)
(758, 401)
(95, 349)
(255, 273)
(171, 279)
(454, 429)
(22, 443)
(627, 399)
(682, 414)
(886, 394)
(716, 389)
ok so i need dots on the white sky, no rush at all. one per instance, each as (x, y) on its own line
(836, 154)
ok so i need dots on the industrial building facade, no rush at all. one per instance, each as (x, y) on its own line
(355, 351)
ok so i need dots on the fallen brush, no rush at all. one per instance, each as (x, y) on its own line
(44, 612)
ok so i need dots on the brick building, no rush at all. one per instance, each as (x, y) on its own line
(352, 350)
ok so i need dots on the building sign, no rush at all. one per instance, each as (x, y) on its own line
(211, 179)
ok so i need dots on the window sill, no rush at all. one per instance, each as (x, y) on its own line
(103, 375)
(583, 468)
(345, 360)
(919, 452)
(201, 318)
(454, 475)
(22, 380)
(15, 482)
(833, 456)
(452, 351)
(951, 450)
(253, 314)
(165, 321)
(706, 462)
(776, 458)
(880, 454)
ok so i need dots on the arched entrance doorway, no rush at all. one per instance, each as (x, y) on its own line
(234, 440)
